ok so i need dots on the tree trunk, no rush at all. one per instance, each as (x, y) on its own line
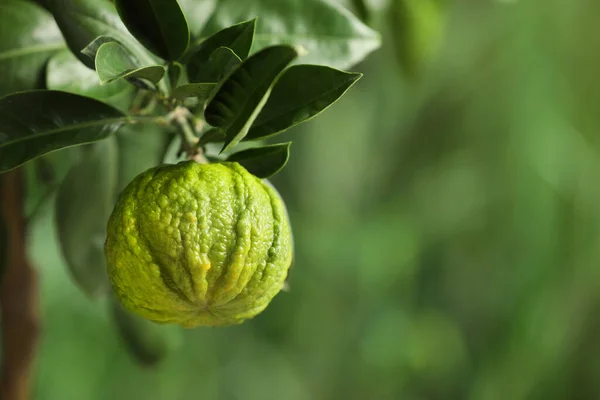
(18, 296)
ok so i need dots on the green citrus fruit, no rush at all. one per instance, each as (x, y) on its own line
(198, 244)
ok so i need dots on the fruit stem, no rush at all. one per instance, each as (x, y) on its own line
(181, 117)
(141, 119)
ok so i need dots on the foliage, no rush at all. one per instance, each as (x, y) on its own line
(446, 229)
(130, 79)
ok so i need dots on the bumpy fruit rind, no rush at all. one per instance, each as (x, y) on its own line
(198, 244)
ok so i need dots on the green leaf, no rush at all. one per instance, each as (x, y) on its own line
(65, 72)
(239, 98)
(200, 90)
(23, 54)
(114, 62)
(92, 48)
(42, 179)
(41, 3)
(148, 342)
(44, 171)
(238, 38)
(37, 122)
(82, 21)
(362, 10)
(222, 61)
(175, 71)
(263, 161)
(330, 33)
(83, 204)
(212, 136)
(301, 93)
(197, 13)
(158, 24)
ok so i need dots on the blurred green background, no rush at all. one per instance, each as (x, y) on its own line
(447, 228)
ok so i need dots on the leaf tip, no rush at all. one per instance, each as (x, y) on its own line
(355, 77)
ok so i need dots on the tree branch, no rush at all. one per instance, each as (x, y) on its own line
(18, 296)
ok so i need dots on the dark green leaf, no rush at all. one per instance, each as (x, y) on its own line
(263, 161)
(67, 73)
(44, 171)
(174, 70)
(200, 90)
(147, 342)
(238, 38)
(92, 49)
(362, 10)
(302, 92)
(197, 12)
(223, 60)
(212, 148)
(330, 33)
(84, 203)
(38, 122)
(82, 21)
(142, 83)
(242, 94)
(212, 136)
(158, 24)
(22, 54)
(42, 3)
(113, 62)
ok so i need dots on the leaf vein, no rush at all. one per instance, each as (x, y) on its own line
(63, 129)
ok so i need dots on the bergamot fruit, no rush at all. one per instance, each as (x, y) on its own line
(198, 244)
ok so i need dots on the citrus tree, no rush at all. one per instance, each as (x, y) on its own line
(161, 108)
